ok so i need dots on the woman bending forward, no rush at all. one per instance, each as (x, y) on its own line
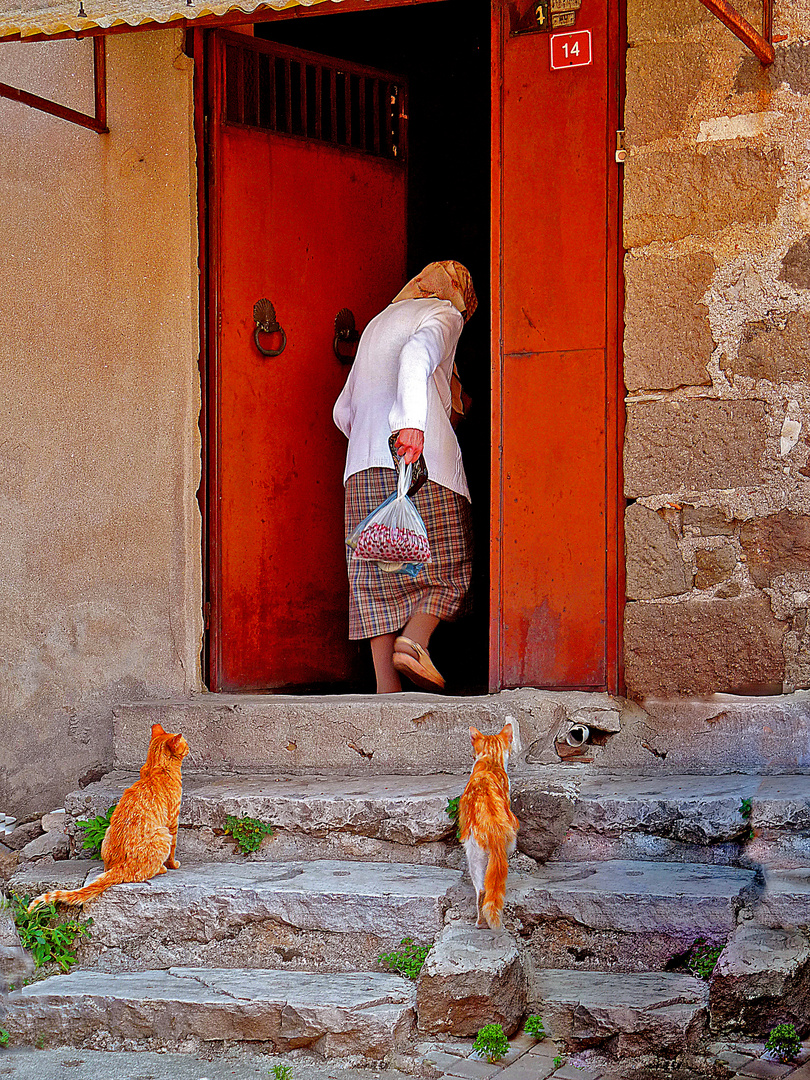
(403, 381)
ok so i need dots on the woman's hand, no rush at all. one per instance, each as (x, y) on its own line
(410, 443)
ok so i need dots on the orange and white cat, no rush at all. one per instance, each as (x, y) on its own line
(141, 839)
(487, 826)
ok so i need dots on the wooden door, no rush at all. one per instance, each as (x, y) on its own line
(308, 210)
(556, 388)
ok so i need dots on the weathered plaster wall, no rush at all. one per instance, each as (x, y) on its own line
(99, 446)
(717, 354)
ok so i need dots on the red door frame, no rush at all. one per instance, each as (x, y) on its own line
(614, 419)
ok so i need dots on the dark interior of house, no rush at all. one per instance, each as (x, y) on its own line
(443, 50)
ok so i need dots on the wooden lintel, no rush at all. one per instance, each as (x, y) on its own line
(97, 122)
(730, 17)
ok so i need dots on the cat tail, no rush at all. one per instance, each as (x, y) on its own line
(495, 885)
(114, 876)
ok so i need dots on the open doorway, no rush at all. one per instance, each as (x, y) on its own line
(442, 49)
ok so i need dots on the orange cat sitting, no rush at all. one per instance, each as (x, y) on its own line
(142, 836)
(487, 826)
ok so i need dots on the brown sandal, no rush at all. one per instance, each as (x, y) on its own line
(419, 669)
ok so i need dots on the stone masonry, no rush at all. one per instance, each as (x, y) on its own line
(717, 354)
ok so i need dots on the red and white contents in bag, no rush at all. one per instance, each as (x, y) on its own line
(381, 543)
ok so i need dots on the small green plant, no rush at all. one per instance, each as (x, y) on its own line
(702, 958)
(558, 1061)
(746, 809)
(247, 832)
(491, 1042)
(406, 961)
(534, 1027)
(49, 941)
(784, 1042)
(281, 1072)
(452, 812)
(4, 1037)
(94, 830)
(40, 1043)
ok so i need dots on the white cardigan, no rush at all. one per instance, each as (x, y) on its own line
(401, 379)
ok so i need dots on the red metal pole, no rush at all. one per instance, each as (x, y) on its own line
(739, 26)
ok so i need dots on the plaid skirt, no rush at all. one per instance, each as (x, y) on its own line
(381, 602)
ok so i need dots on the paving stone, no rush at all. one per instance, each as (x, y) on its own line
(636, 1014)
(765, 1070)
(472, 1070)
(330, 915)
(573, 1072)
(528, 1067)
(29, 879)
(440, 1059)
(361, 1013)
(733, 1059)
(471, 977)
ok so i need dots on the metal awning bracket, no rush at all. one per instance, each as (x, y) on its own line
(760, 44)
(98, 122)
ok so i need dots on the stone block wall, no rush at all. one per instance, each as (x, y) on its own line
(717, 353)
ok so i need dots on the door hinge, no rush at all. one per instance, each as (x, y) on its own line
(621, 151)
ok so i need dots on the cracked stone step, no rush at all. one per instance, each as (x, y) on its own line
(365, 1013)
(410, 733)
(623, 915)
(373, 818)
(321, 915)
(666, 818)
(636, 1014)
(785, 900)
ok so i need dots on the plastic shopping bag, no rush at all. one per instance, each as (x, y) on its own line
(394, 534)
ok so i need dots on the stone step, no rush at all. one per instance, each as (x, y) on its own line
(565, 814)
(615, 915)
(366, 1014)
(320, 915)
(732, 819)
(409, 733)
(373, 818)
(630, 1016)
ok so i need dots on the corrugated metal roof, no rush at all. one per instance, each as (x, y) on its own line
(53, 18)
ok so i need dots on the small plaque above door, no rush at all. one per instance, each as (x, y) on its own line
(542, 16)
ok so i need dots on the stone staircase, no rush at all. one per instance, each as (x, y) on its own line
(617, 875)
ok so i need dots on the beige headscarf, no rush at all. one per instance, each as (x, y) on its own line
(446, 280)
(451, 281)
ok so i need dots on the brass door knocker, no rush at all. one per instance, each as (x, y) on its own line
(264, 315)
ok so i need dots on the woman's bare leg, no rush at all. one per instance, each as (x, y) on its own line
(420, 626)
(382, 653)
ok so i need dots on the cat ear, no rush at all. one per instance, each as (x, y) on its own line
(474, 734)
(508, 732)
(157, 730)
(174, 743)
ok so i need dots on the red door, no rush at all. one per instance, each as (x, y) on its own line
(308, 210)
(556, 392)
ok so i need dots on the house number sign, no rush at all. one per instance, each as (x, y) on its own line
(571, 50)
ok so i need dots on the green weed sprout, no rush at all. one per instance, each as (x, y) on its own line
(406, 961)
(94, 830)
(491, 1042)
(534, 1027)
(4, 1037)
(784, 1042)
(703, 958)
(48, 941)
(452, 812)
(281, 1072)
(247, 832)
